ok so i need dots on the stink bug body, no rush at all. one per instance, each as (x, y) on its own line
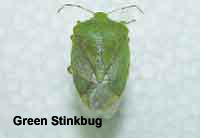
(100, 59)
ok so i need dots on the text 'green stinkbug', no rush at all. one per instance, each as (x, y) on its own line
(100, 59)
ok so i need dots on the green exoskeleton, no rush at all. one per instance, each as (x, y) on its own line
(100, 59)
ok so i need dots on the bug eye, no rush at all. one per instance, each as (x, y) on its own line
(123, 22)
(71, 37)
(78, 22)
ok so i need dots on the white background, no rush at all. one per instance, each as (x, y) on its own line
(162, 97)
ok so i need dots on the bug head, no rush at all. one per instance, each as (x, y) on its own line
(101, 16)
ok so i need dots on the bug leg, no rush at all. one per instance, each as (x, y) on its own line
(69, 69)
(128, 22)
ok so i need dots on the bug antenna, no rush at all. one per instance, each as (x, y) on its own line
(127, 7)
(74, 5)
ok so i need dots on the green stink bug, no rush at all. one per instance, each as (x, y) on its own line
(100, 59)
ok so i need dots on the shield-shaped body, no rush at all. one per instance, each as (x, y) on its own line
(100, 60)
